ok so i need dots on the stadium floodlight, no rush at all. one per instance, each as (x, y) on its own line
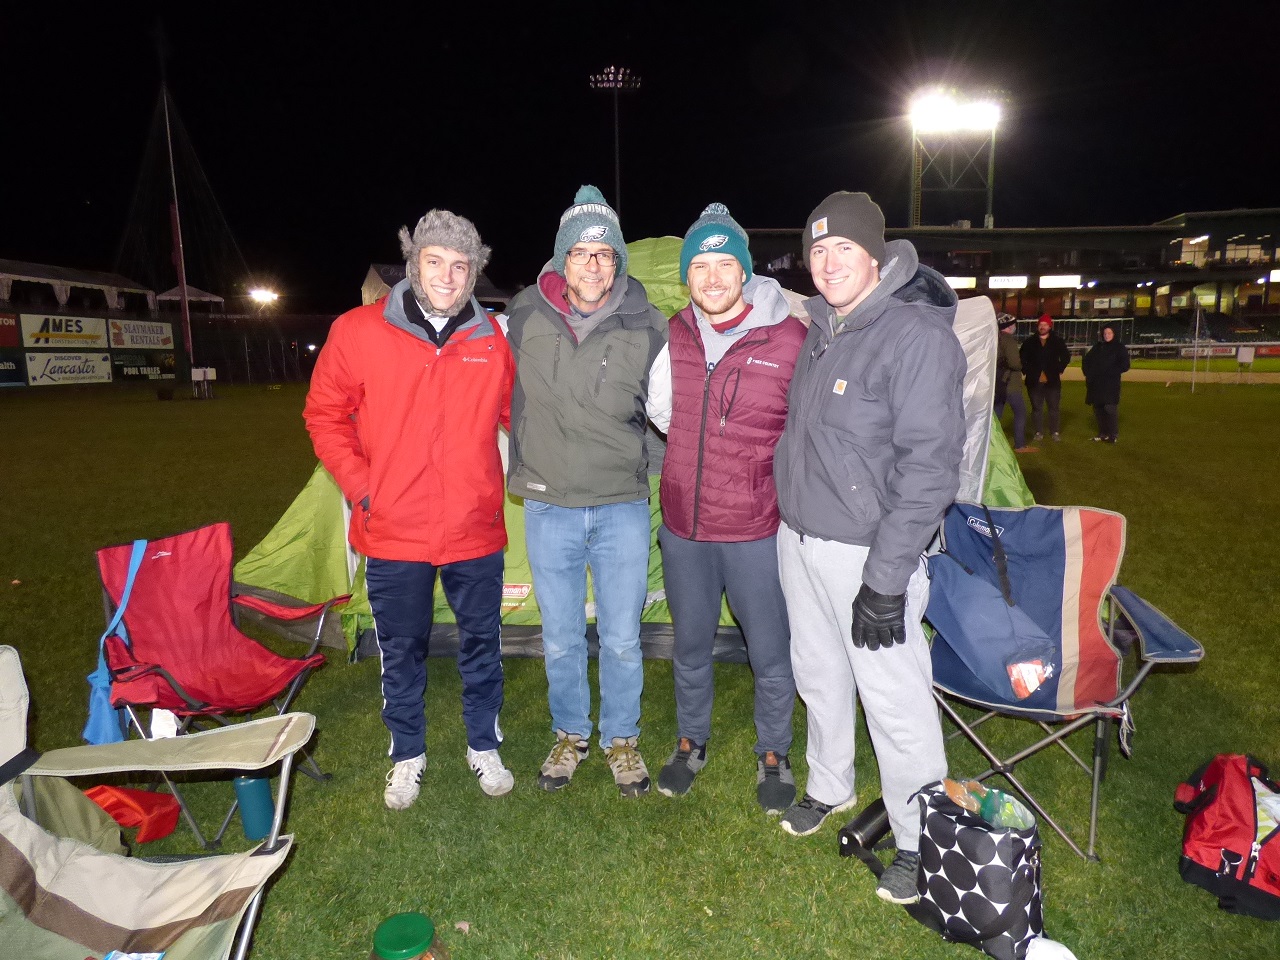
(263, 296)
(615, 80)
(944, 113)
(938, 111)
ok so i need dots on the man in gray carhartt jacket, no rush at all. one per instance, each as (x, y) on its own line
(867, 465)
(585, 338)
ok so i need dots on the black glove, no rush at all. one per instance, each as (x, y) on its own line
(878, 619)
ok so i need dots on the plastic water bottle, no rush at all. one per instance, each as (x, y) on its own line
(407, 936)
(256, 807)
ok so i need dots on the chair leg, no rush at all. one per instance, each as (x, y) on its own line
(277, 823)
(136, 721)
(1101, 748)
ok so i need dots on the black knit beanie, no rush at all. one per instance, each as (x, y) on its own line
(854, 216)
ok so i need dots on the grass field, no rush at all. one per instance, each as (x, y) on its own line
(583, 873)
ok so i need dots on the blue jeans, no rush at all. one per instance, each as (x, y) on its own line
(613, 540)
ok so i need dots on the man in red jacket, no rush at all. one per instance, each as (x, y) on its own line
(732, 352)
(404, 408)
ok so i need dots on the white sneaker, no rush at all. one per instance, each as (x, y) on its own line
(495, 779)
(403, 783)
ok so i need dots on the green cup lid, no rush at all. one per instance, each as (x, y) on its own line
(403, 936)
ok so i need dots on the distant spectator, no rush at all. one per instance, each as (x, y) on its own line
(1044, 357)
(1103, 364)
(1009, 382)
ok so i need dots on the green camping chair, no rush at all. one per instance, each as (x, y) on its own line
(62, 899)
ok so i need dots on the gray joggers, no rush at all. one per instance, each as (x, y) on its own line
(821, 578)
(695, 574)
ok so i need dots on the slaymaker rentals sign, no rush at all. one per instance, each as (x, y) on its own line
(46, 369)
(145, 334)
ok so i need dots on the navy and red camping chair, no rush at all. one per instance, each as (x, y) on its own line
(180, 649)
(1029, 623)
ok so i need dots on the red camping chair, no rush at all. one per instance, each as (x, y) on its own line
(184, 652)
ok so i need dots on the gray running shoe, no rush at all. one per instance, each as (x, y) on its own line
(675, 779)
(557, 770)
(898, 882)
(629, 771)
(775, 786)
(807, 816)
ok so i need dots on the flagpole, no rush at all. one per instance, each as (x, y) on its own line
(179, 258)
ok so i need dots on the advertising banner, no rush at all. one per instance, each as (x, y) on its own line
(9, 330)
(13, 368)
(142, 364)
(147, 334)
(1208, 351)
(39, 330)
(1268, 350)
(51, 369)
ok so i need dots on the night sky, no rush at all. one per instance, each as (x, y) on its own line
(320, 135)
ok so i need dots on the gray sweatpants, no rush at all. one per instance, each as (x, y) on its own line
(820, 579)
(696, 574)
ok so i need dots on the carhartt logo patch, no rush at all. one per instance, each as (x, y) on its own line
(714, 242)
(593, 234)
(838, 389)
(819, 228)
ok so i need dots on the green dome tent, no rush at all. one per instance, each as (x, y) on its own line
(305, 556)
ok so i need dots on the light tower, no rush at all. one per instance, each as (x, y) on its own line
(616, 80)
(950, 134)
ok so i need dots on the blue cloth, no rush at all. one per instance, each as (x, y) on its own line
(401, 596)
(613, 540)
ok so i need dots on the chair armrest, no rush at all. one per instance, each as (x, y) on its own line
(244, 746)
(287, 613)
(1160, 640)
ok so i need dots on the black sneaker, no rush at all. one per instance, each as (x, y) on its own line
(775, 786)
(807, 816)
(898, 882)
(676, 776)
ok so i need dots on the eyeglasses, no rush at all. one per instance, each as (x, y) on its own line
(580, 258)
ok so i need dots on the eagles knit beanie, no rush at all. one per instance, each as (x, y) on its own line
(854, 216)
(589, 220)
(715, 232)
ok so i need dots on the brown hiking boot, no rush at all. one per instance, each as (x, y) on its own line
(557, 770)
(629, 771)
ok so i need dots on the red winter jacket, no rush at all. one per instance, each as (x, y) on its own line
(415, 429)
(717, 475)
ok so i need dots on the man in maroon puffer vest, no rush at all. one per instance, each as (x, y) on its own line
(732, 351)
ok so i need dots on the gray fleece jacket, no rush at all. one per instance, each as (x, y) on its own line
(875, 427)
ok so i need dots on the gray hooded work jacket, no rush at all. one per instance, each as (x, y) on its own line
(871, 451)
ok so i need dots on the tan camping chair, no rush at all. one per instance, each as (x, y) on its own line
(60, 897)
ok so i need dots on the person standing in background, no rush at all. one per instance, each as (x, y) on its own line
(1044, 357)
(1103, 365)
(1009, 382)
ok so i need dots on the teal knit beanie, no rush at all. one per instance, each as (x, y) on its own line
(589, 220)
(715, 232)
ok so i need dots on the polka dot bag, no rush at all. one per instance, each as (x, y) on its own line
(978, 883)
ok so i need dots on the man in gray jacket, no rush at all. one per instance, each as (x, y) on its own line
(867, 465)
(585, 338)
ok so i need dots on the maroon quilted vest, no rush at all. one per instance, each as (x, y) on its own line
(717, 476)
